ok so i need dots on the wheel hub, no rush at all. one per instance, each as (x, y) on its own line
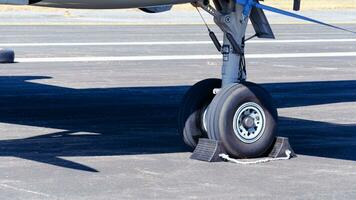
(249, 122)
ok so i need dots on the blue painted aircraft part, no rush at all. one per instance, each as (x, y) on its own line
(290, 14)
(248, 4)
(7, 56)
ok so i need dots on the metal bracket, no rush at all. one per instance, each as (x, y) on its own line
(207, 7)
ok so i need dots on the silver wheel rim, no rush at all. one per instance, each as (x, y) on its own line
(204, 124)
(254, 114)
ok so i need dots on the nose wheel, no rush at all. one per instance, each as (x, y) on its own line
(193, 110)
(243, 118)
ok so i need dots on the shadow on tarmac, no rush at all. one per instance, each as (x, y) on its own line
(131, 121)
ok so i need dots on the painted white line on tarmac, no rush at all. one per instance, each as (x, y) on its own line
(301, 41)
(165, 43)
(181, 57)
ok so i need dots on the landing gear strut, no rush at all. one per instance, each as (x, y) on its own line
(241, 115)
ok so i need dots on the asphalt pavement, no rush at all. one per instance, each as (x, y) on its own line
(107, 129)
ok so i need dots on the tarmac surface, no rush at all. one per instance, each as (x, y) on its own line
(107, 130)
(134, 16)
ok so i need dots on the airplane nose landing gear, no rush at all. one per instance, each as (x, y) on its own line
(241, 117)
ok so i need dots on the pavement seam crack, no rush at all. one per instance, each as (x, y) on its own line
(23, 190)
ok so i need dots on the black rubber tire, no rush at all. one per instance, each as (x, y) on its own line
(194, 102)
(7, 56)
(220, 116)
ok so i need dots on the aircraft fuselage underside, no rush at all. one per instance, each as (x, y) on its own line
(96, 4)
